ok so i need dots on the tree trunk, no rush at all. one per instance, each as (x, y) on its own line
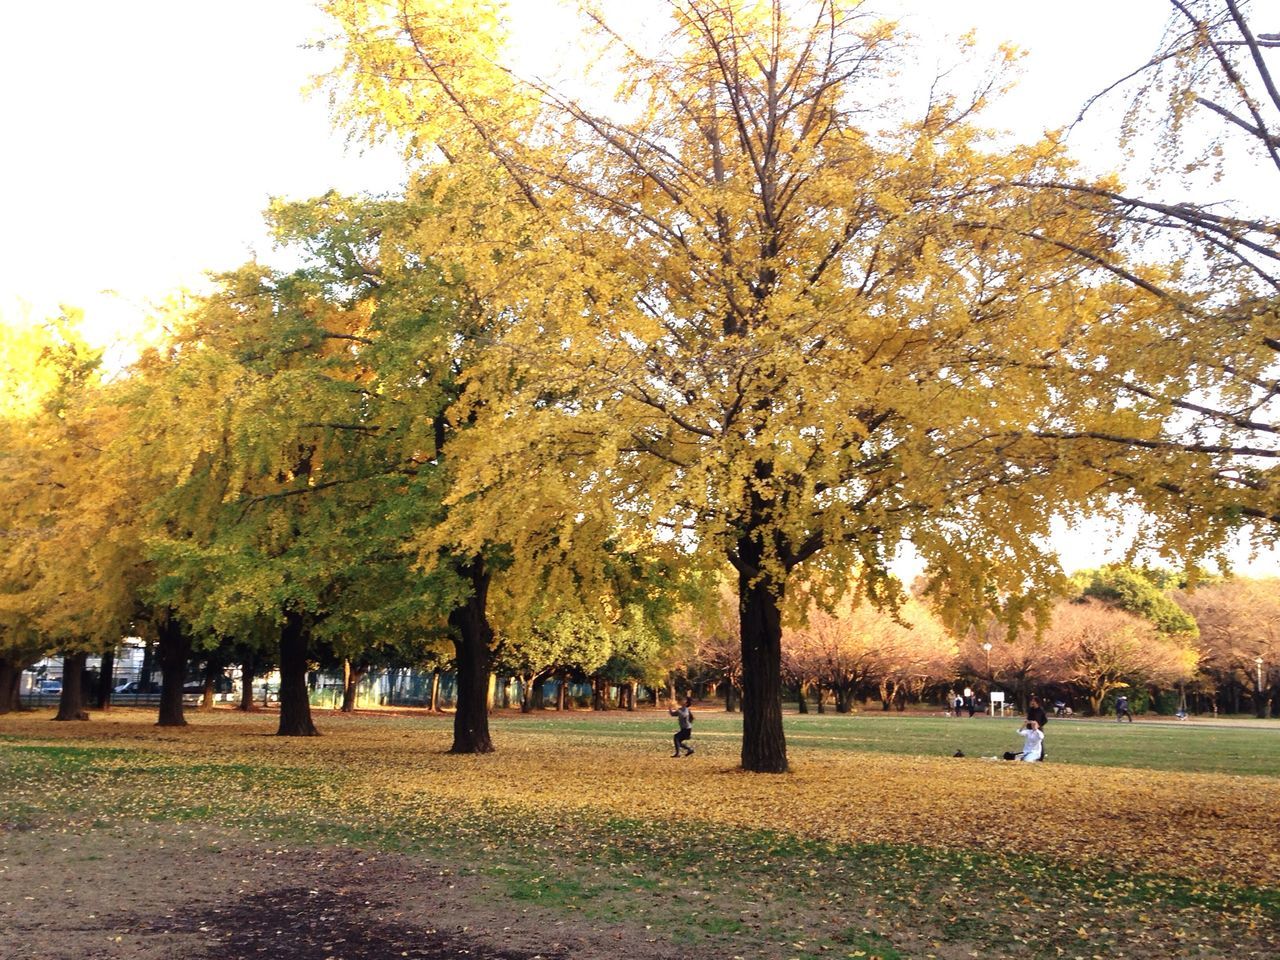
(211, 674)
(538, 693)
(597, 698)
(351, 677)
(631, 695)
(802, 697)
(764, 746)
(148, 667)
(728, 697)
(562, 693)
(246, 685)
(10, 685)
(822, 699)
(435, 691)
(473, 643)
(173, 650)
(526, 693)
(106, 680)
(71, 702)
(295, 705)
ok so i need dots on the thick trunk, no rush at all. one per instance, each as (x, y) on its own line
(106, 681)
(10, 681)
(173, 650)
(295, 702)
(631, 695)
(562, 693)
(822, 699)
(764, 746)
(802, 697)
(473, 643)
(71, 703)
(729, 691)
(246, 686)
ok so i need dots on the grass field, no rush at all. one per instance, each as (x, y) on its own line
(1152, 839)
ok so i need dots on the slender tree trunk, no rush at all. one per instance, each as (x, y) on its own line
(148, 667)
(10, 685)
(212, 673)
(802, 697)
(173, 650)
(295, 704)
(71, 702)
(435, 691)
(631, 695)
(473, 643)
(764, 746)
(562, 693)
(822, 701)
(728, 697)
(351, 677)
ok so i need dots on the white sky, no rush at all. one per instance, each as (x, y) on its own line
(143, 138)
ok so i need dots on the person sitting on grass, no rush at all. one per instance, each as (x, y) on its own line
(1032, 739)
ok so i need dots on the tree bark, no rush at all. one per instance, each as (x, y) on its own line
(473, 645)
(173, 650)
(802, 697)
(71, 702)
(211, 674)
(295, 703)
(764, 746)
(10, 685)
(631, 695)
(246, 685)
(106, 681)
(435, 691)
(351, 677)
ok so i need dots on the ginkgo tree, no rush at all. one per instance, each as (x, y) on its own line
(759, 309)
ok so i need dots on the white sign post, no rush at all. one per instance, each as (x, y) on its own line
(997, 697)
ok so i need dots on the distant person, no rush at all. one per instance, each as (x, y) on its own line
(968, 700)
(957, 704)
(1036, 712)
(1122, 709)
(1032, 742)
(685, 715)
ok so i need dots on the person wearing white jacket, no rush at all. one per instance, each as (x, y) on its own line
(1032, 741)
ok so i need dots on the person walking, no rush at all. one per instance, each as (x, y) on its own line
(685, 715)
(1036, 712)
(1122, 709)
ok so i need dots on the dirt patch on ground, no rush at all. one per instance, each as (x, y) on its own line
(155, 892)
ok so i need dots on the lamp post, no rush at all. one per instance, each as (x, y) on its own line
(1257, 663)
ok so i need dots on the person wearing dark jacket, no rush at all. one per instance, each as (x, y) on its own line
(1036, 712)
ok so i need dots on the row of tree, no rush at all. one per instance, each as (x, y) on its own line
(751, 314)
(1118, 629)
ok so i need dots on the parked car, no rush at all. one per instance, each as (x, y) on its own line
(128, 686)
(50, 688)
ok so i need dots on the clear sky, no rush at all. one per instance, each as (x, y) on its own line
(143, 138)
